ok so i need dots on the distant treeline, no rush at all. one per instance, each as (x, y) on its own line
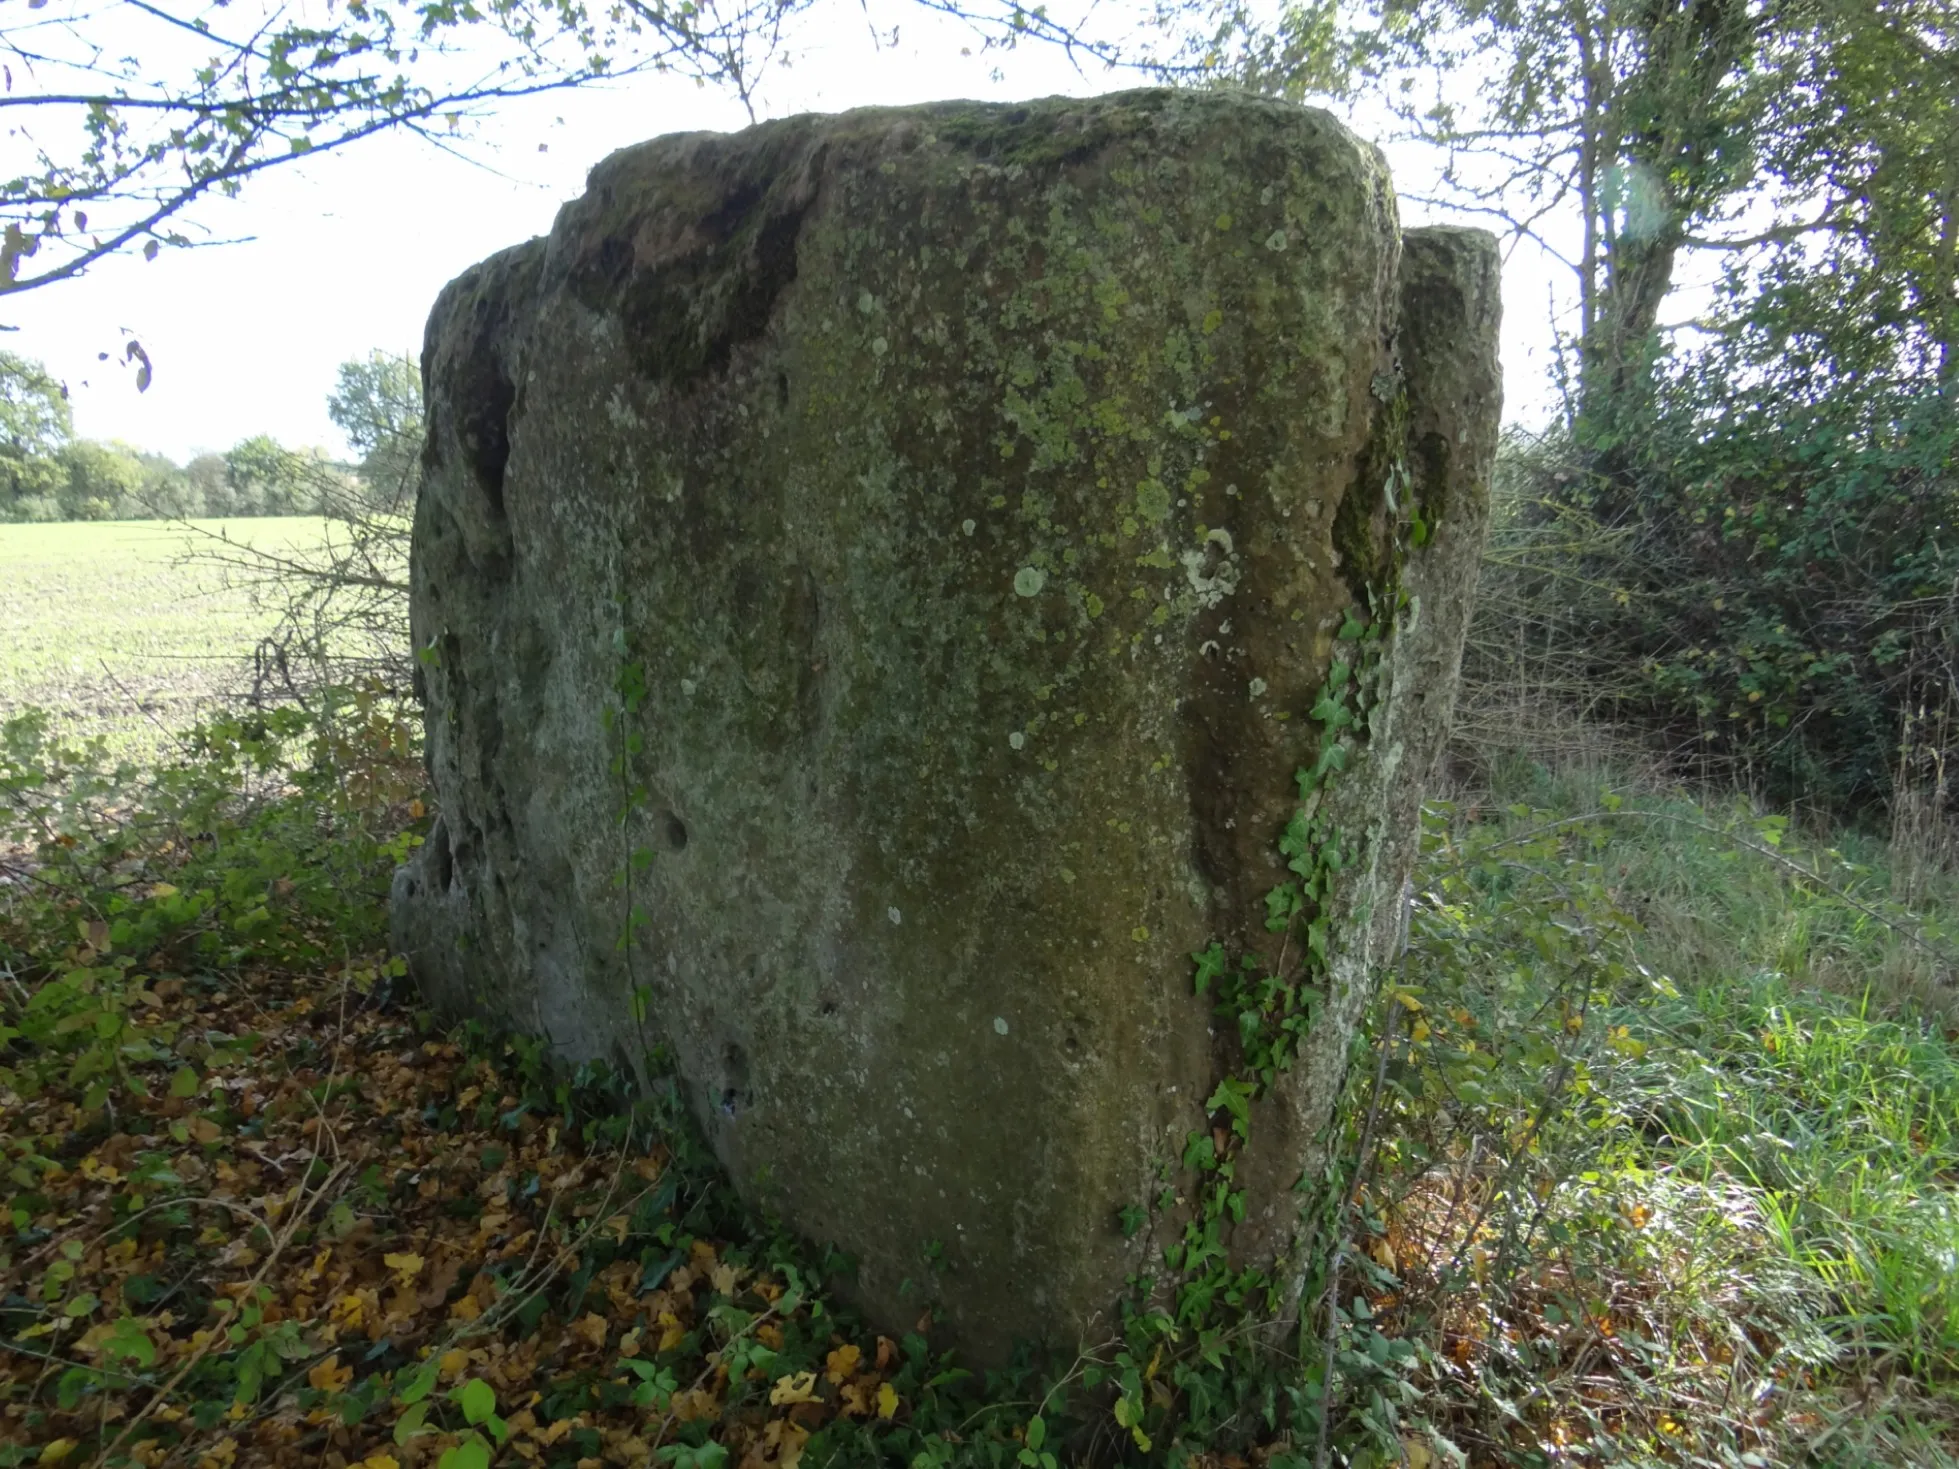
(48, 474)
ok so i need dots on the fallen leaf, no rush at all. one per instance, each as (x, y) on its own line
(329, 1375)
(697, 1402)
(799, 1387)
(842, 1362)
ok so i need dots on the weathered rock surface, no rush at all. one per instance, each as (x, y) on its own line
(907, 548)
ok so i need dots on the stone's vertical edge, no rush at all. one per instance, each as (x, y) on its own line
(1444, 426)
(459, 567)
(1451, 311)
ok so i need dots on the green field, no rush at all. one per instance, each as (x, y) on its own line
(132, 629)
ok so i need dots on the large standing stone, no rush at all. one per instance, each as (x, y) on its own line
(899, 555)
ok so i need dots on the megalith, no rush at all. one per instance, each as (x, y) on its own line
(934, 623)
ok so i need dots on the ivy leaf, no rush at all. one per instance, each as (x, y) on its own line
(1210, 964)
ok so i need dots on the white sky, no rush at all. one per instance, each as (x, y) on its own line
(346, 252)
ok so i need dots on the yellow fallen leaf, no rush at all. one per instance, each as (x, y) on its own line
(887, 1400)
(590, 1329)
(59, 1450)
(785, 1440)
(1382, 1253)
(695, 1403)
(329, 1375)
(465, 1308)
(407, 1266)
(842, 1362)
(379, 1461)
(1416, 1454)
(453, 1362)
(164, 890)
(799, 1387)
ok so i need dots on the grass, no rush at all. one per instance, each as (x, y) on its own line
(115, 630)
(1667, 1169)
(1673, 1175)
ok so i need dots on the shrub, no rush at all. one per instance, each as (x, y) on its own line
(1769, 584)
(266, 844)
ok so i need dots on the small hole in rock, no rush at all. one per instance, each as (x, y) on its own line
(782, 389)
(734, 1089)
(676, 831)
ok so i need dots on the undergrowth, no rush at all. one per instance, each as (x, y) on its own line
(1652, 1156)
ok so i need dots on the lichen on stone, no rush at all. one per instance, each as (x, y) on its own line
(965, 487)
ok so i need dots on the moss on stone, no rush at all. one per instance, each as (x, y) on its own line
(964, 485)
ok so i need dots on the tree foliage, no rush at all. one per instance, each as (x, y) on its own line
(45, 474)
(1757, 514)
(1633, 127)
(128, 116)
(377, 404)
(34, 424)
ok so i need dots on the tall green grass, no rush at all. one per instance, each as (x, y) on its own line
(1679, 1150)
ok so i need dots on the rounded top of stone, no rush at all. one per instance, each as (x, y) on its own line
(1039, 132)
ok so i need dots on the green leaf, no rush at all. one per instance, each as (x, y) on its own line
(1210, 964)
(410, 1423)
(472, 1453)
(128, 1339)
(420, 1382)
(477, 1399)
